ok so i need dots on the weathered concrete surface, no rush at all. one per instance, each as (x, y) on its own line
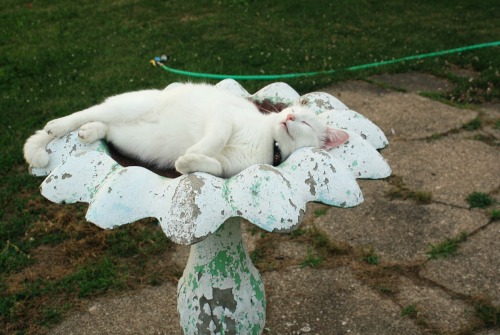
(414, 82)
(329, 302)
(437, 308)
(401, 115)
(399, 230)
(406, 292)
(475, 270)
(449, 168)
(150, 311)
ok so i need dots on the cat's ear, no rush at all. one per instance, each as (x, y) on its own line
(334, 138)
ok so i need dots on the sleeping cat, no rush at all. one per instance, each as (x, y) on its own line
(192, 127)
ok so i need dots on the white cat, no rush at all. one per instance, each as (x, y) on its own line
(192, 127)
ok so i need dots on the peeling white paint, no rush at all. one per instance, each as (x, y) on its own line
(321, 102)
(277, 93)
(220, 271)
(62, 148)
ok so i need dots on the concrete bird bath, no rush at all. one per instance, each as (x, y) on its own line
(221, 292)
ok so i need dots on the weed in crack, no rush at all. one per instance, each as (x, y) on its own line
(399, 190)
(446, 248)
(312, 260)
(320, 212)
(495, 215)
(479, 200)
(410, 311)
(472, 125)
(487, 312)
(370, 257)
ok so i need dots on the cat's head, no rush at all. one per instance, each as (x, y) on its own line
(298, 127)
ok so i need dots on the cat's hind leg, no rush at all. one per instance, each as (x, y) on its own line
(92, 131)
(190, 162)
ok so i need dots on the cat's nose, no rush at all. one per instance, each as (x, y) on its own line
(290, 117)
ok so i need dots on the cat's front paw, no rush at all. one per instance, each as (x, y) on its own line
(190, 163)
(58, 127)
(91, 132)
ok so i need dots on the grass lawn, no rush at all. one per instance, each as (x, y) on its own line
(57, 57)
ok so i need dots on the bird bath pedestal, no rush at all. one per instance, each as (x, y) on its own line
(221, 292)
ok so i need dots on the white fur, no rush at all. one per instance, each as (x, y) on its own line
(192, 127)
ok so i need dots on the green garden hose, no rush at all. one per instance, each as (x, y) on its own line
(160, 62)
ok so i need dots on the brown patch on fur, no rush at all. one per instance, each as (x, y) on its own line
(267, 106)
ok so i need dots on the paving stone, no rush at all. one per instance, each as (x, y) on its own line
(149, 311)
(400, 115)
(489, 131)
(475, 269)
(450, 169)
(397, 230)
(415, 82)
(436, 309)
(309, 301)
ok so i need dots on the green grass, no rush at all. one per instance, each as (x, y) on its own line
(446, 248)
(96, 278)
(487, 312)
(384, 290)
(52, 315)
(399, 190)
(370, 256)
(475, 124)
(57, 57)
(479, 200)
(410, 311)
(495, 214)
(297, 232)
(13, 258)
(421, 197)
(312, 260)
(257, 255)
(323, 245)
(320, 212)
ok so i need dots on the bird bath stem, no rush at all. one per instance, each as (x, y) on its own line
(221, 292)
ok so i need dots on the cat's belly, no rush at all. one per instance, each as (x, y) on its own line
(235, 159)
(150, 143)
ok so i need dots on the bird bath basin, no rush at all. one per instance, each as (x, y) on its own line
(221, 292)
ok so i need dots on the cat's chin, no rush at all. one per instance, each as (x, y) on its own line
(284, 142)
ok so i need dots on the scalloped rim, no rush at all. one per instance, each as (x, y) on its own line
(193, 206)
